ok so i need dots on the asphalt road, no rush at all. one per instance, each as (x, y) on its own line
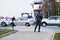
(43, 29)
(31, 28)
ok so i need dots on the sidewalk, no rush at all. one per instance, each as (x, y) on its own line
(29, 36)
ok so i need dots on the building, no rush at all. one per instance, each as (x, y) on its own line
(40, 6)
(37, 6)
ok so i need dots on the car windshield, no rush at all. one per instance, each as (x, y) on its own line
(58, 18)
(52, 18)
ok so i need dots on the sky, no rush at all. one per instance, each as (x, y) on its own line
(15, 7)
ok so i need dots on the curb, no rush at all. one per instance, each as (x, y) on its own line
(53, 36)
(14, 31)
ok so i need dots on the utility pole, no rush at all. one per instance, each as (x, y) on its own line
(48, 8)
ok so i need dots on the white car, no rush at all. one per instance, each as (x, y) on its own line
(24, 21)
(52, 20)
(4, 22)
(29, 22)
(17, 22)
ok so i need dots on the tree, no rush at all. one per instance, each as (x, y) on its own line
(54, 8)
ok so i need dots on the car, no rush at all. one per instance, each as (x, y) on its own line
(30, 21)
(19, 21)
(24, 21)
(4, 22)
(52, 20)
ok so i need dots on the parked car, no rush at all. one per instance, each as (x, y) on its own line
(52, 20)
(20, 21)
(17, 22)
(24, 21)
(4, 22)
(8, 22)
(30, 21)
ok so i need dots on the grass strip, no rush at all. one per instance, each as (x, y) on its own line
(4, 31)
(57, 36)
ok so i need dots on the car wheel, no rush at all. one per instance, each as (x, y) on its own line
(12, 24)
(3, 24)
(27, 24)
(44, 24)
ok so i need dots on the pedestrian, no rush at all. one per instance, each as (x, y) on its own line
(13, 18)
(38, 21)
(12, 23)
